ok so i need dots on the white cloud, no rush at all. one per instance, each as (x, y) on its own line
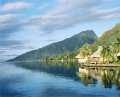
(9, 17)
(72, 6)
(15, 6)
(67, 14)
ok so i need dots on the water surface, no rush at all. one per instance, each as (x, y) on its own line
(37, 79)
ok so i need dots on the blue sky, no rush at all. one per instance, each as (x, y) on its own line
(31, 24)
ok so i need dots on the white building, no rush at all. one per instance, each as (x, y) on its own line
(95, 57)
(80, 60)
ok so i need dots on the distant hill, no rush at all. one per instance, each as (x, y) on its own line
(107, 38)
(70, 44)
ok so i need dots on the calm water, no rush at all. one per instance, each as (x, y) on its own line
(39, 79)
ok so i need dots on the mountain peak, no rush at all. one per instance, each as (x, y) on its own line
(70, 44)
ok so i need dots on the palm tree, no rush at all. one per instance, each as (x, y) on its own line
(103, 54)
(116, 46)
(89, 52)
(107, 54)
(111, 57)
(85, 51)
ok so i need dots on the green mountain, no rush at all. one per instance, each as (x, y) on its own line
(107, 38)
(70, 44)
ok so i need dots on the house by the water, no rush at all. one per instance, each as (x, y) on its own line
(80, 59)
(95, 57)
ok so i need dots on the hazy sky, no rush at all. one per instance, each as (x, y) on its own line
(31, 24)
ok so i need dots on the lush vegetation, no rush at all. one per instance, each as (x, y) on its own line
(107, 38)
(69, 56)
(70, 44)
(116, 46)
(109, 53)
(64, 56)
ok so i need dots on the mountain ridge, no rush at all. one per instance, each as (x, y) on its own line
(69, 44)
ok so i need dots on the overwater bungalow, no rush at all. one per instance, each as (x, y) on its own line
(79, 58)
(95, 57)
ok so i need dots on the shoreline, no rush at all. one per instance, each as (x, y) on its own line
(85, 65)
(101, 65)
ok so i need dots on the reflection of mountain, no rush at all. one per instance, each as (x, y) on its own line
(67, 70)
(107, 77)
(52, 68)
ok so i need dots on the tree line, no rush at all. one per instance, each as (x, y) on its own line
(107, 54)
(64, 56)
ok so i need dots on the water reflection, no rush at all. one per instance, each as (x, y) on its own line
(68, 79)
(55, 68)
(106, 77)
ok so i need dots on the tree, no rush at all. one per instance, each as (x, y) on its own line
(53, 57)
(116, 46)
(66, 55)
(103, 53)
(107, 54)
(85, 51)
(46, 58)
